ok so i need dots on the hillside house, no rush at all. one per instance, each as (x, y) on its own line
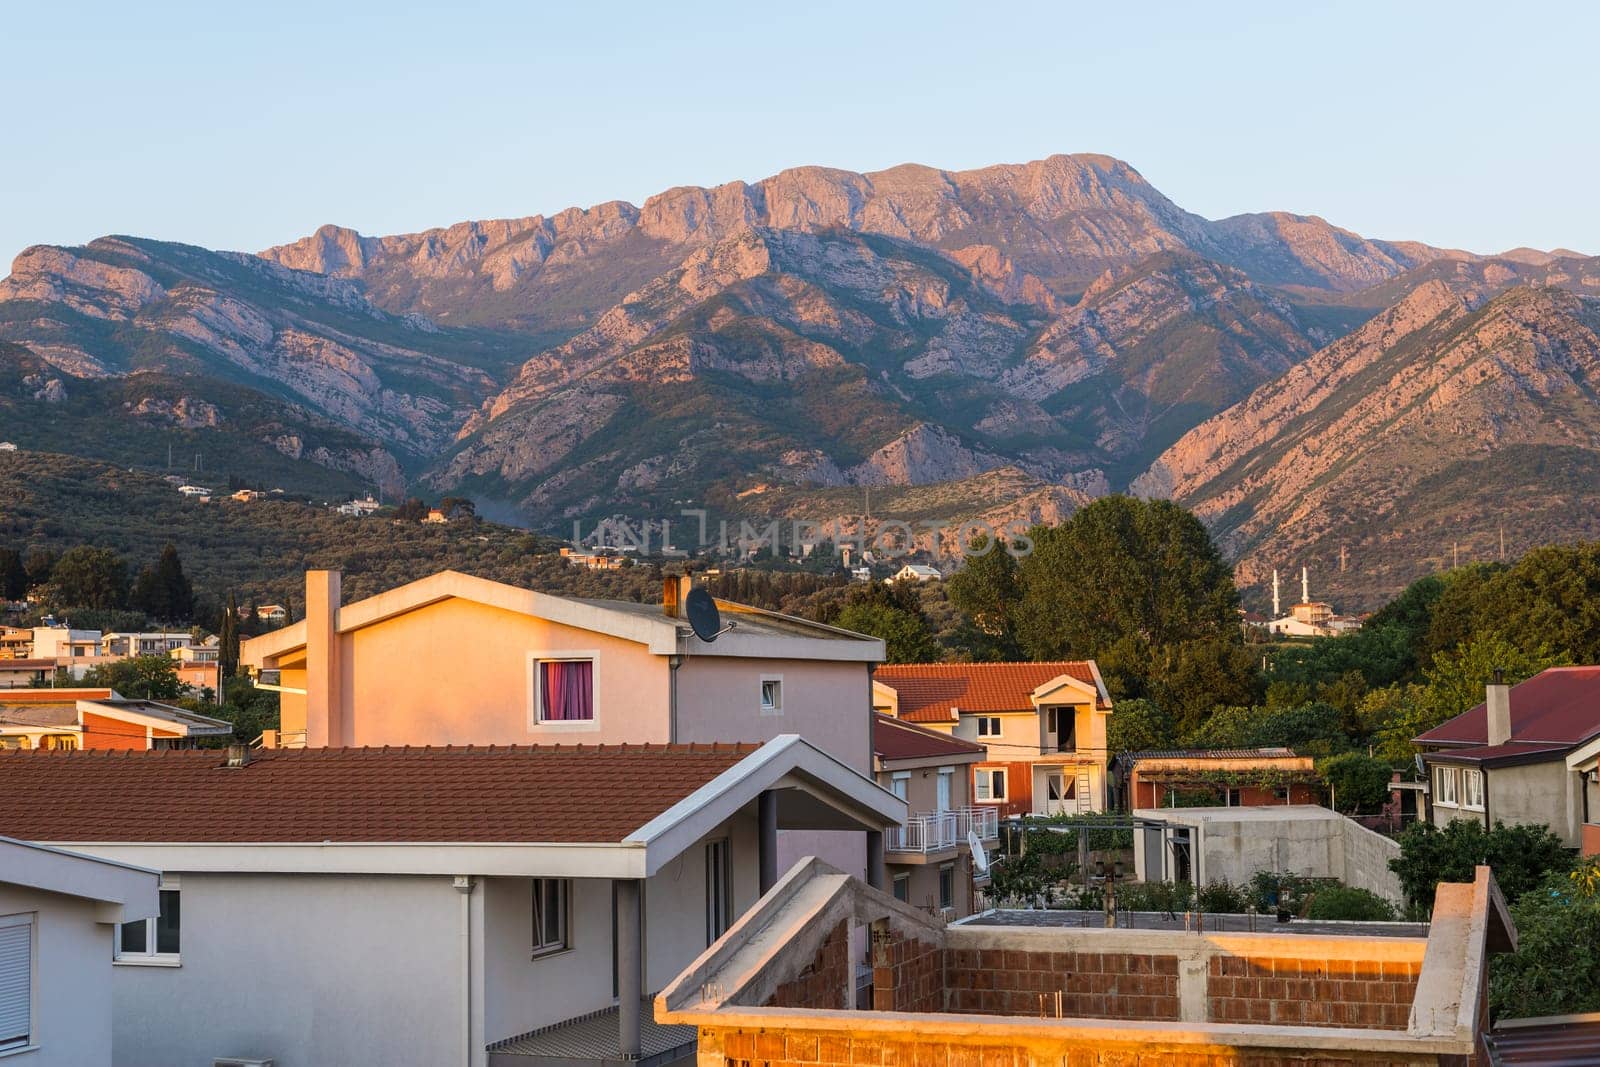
(120, 645)
(1527, 754)
(418, 907)
(546, 670)
(99, 719)
(435, 517)
(59, 912)
(1042, 726)
(916, 572)
(64, 644)
(272, 614)
(245, 496)
(1229, 778)
(16, 642)
(930, 856)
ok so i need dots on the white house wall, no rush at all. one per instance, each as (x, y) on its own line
(72, 974)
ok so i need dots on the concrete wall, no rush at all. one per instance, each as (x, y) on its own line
(306, 969)
(72, 979)
(1543, 794)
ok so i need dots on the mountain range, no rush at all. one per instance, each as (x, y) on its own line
(1009, 341)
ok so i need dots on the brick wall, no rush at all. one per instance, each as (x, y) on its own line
(780, 1047)
(907, 974)
(1311, 992)
(1105, 985)
(823, 984)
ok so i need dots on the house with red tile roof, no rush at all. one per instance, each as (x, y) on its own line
(1042, 726)
(930, 856)
(99, 719)
(1530, 753)
(425, 906)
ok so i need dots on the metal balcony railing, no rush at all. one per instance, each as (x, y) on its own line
(935, 831)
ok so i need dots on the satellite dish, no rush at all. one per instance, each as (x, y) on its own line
(980, 858)
(704, 617)
(1421, 770)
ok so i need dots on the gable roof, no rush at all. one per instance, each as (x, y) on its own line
(757, 632)
(928, 691)
(894, 739)
(68, 714)
(1559, 706)
(129, 891)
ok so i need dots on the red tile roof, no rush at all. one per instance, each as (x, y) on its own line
(928, 691)
(558, 794)
(893, 739)
(1557, 706)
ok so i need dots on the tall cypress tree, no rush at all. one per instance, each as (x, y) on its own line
(228, 641)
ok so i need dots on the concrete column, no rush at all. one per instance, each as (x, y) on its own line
(630, 967)
(876, 877)
(767, 839)
(324, 698)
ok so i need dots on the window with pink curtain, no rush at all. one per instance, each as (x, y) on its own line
(566, 691)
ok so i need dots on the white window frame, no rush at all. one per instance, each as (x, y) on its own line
(535, 687)
(986, 775)
(945, 790)
(30, 1040)
(150, 957)
(900, 784)
(1472, 782)
(1445, 791)
(947, 870)
(986, 720)
(539, 947)
(775, 708)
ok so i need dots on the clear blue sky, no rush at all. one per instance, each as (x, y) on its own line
(243, 125)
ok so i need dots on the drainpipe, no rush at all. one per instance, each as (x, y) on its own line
(464, 885)
(673, 663)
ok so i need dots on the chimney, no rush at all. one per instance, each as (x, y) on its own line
(674, 589)
(324, 698)
(238, 755)
(1497, 703)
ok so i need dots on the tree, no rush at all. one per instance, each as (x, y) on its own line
(1189, 678)
(1310, 729)
(1520, 856)
(87, 577)
(987, 590)
(39, 564)
(163, 590)
(13, 575)
(1139, 726)
(1457, 678)
(228, 639)
(1358, 782)
(1549, 597)
(1555, 970)
(1124, 568)
(905, 634)
(138, 678)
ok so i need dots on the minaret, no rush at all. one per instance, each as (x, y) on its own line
(1305, 586)
(1275, 611)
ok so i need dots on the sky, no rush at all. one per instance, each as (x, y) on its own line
(1463, 124)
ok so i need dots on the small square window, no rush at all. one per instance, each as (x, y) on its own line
(988, 726)
(153, 942)
(772, 696)
(989, 784)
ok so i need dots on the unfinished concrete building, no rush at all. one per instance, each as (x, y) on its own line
(780, 988)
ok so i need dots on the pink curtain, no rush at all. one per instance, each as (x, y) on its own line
(568, 691)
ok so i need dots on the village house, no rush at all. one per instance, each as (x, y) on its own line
(272, 614)
(1228, 778)
(99, 719)
(916, 572)
(59, 912)
(245, 496)
(417, 907)
(1042, 725)
(436, 517)
(64, 644)
(1527, 754)
(16, 642)
(26, 673)
(359, 508)
(1016, 988)
(931, 857)
(122, 645)
(548, 670)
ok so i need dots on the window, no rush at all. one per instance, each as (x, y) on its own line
(719, 890)
(1232, 797)
(947, 885)
(1444, 786)
(902, 888)
(900, 783)
(154, 943)
(16, 981)
(562, 690)
(946, 776)
(771, 695)
(1472, 789)
(552, 902)
(989, 784)
(988, 726)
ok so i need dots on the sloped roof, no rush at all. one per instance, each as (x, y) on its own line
(414, 795)
(927, 691)
(893, 739)
(1558, 706)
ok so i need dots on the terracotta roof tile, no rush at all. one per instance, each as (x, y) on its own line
(927, 691)
(893, 739)
(1556, 706)
(556, 794)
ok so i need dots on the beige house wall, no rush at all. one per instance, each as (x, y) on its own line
(829, 703)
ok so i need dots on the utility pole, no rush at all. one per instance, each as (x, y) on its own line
(1502, 542)
(1455, 554)
(1341, 559)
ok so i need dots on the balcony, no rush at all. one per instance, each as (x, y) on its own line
(939, 831)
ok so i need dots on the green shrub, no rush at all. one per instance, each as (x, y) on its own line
(1520, 856)
(1222, 897)
(1343, 902)
(1555, 970)
(1358, 782)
